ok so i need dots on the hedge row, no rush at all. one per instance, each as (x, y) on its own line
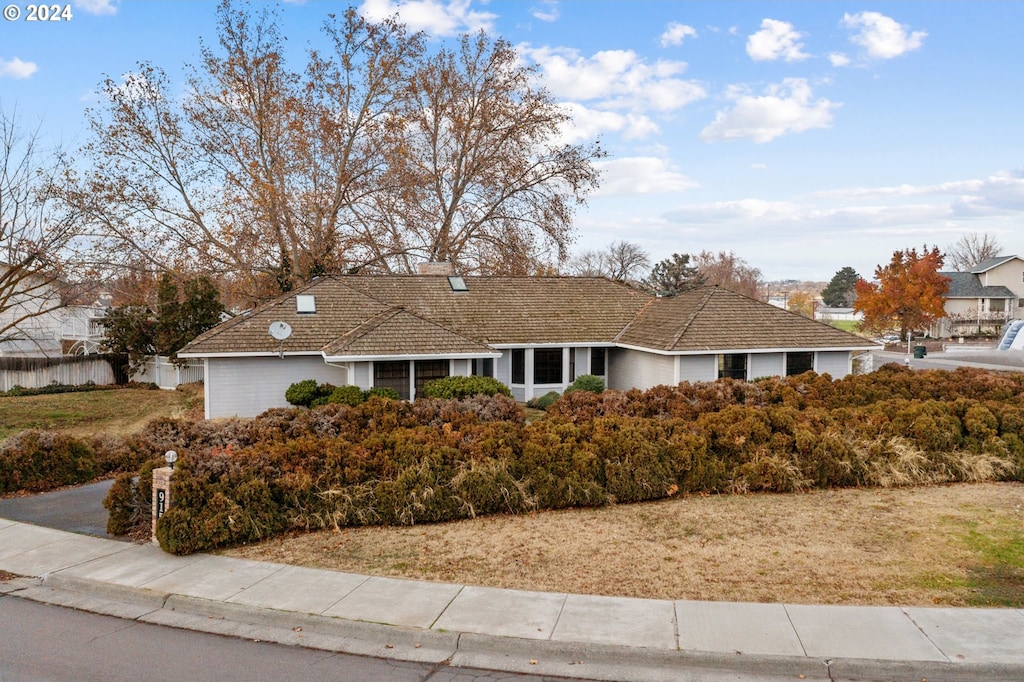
(399, 463)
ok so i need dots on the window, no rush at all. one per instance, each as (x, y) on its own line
(798, 363)
(997, 305)
(518, 366)
(428, 370)
(547, 366)
(733, 365)
(483, 367)
(457, 283)
(392, 375)
(597, 356)
(572, 364)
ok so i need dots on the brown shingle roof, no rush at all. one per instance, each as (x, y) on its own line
(712, 318)
(374, 315)
(399, 332)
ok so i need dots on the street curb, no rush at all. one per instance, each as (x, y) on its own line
(470, 650)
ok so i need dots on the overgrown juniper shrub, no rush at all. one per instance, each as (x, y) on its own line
(386, 461)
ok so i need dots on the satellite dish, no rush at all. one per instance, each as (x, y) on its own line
(280, 330)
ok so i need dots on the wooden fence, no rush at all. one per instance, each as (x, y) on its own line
(70, 370)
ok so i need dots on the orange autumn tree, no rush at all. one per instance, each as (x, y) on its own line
(907, 293)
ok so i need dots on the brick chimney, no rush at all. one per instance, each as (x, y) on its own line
(435, 268)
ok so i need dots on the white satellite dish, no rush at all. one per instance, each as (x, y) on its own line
(280, 330)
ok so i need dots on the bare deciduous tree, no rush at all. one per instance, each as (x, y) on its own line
(970, 250)
(372, 156)
(731, 272)
(35, 239)
(621, 261)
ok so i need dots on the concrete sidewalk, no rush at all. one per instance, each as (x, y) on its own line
(529, 632)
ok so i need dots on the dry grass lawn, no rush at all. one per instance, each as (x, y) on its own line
(114, 412)
(949, 545)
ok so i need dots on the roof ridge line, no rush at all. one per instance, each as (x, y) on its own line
(693, 316)
(636, 316)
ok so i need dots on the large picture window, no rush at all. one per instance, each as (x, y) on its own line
(392, 375)
(518, 366)
(732, 365)
(798, 363)
(547, 366)
(428, 370)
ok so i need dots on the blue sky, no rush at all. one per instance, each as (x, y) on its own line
(803, 136)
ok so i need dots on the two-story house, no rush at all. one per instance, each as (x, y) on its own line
(983, 299)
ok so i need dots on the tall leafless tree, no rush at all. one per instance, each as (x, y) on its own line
(731, 272)
(36, 241)
(621, 261)
(970, 250)
(374, 155)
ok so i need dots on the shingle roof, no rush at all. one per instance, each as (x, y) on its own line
(713, 318)
(513, 310)
(377, 315)
(991, 263)
(399, 332)
(968, 285)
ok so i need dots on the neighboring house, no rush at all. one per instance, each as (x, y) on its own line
(30, 318)
(81, 328)
(982, 300)
(535, 334)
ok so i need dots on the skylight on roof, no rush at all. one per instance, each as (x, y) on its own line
(457, 283)
(305, 303)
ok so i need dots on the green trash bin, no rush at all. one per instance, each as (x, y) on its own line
(920, 352)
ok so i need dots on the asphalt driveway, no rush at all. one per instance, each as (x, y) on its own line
(76, 510)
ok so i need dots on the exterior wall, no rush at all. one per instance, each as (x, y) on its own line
(635, 369)
(766, 365)
(835, 363)
(1009, 275)
(361, 375)
(694, 368)
(244, 387)
(460, 368)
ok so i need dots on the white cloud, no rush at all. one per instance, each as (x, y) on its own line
(589, 124)
(547, 11)
(784, 108)
(640, 175)
(676, 33)
(16, 68)
(436, 17)
(999, 194)
(618, 79)
(881, 36)
(759, 166)
(101, 7)
(839, 59)
(776, 40)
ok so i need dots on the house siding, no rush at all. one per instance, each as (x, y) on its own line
(245, 387)
(636, 369)
(694, 368)
(361, 375)
(835, 363)
(766, 365)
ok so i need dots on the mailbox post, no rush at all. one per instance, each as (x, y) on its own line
(162, 488)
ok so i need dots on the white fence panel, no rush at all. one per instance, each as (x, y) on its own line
(97, 371)
(161, 371)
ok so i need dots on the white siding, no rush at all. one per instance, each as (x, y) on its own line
(362, 375)
(461, 368)
(636, 369)
(503, 368)
(698, 368)
(244, 387)
(835, 363)
(766, 365)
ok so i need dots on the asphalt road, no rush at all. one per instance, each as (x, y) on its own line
(43, 643)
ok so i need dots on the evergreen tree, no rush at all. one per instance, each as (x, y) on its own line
(168, 310)
(200, 310)
(841, 291)
(673, 275)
